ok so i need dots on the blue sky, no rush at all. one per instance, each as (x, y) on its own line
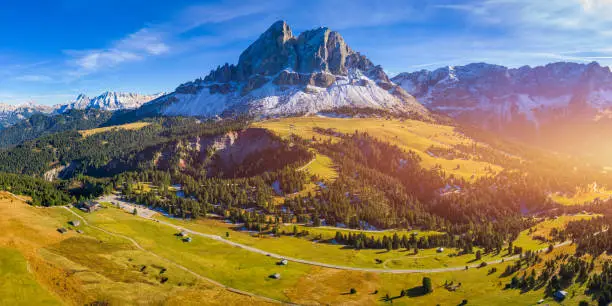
(52, 50)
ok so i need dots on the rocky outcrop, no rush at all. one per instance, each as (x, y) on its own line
(321, 79)
(286, 77)
(60, 172)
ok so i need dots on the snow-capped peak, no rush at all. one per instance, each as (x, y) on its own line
(281, 74)
(110, 101)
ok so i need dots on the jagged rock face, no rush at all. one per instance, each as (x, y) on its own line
(319, 50)
(280, 74)
(273, 51)
(501, 98)
(322, 50)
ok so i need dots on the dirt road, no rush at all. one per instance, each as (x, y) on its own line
(138, 246)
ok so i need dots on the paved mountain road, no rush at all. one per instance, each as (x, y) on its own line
(147, 215)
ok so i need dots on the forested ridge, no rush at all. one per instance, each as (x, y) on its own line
(41, 124)
(35, 157)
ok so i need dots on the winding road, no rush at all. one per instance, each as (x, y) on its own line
(146, 215)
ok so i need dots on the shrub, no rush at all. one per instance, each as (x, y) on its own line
(427, 286)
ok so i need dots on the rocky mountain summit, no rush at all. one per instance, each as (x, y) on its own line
(281, 74)
(501, 98)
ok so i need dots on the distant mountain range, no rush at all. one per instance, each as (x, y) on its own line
(510, 100)
(281, 74)
(108, 101)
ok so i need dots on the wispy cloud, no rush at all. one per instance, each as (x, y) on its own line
(517, 32)
(158, 39)
(136, 46)
(34, 78)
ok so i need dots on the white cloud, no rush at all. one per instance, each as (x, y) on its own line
(34, 78)
(156, 39)
(146, 40)
(136, 46)
(589, 5)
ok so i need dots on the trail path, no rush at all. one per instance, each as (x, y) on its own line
(306, 165)
(138, 246)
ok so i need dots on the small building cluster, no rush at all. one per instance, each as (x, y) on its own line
(88, 206)
(275, 276)
(184, 235)
(560, 295)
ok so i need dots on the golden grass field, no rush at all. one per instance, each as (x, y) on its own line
(76, 269)
(408, 134)
(581, 198)
(40, 266)
(127, 126)
(542, 229)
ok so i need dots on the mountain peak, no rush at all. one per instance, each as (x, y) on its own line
(82, 96)
(279, 27)
(280, 73)
(317, 50)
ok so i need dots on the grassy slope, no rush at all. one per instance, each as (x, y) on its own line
(95, 266)
(581, 198)
(322, 166)
(18, 285)
(83, 268)
(542, 229)
(305, 248)
(305, 284)
(409, 135)
(127, 126)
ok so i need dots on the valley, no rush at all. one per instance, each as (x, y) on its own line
(113, 229)
(234, 252)
(302, 173)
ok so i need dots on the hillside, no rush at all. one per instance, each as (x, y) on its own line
(344, 199)
(120, 258)
(209, 153)
(43, 124)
